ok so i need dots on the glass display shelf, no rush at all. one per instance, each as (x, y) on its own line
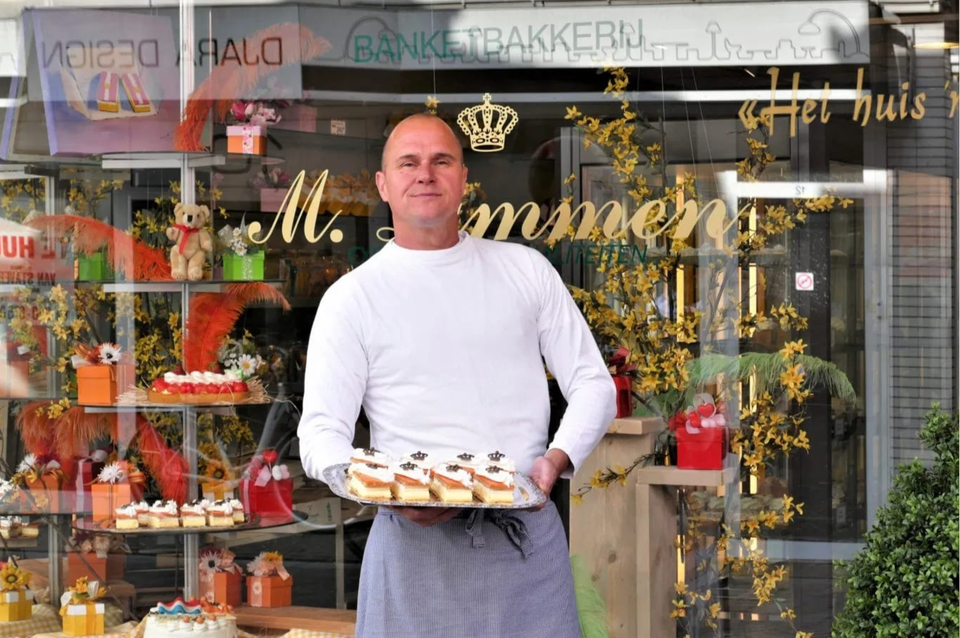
(178, 286)
(114, 286)
(256, 522)
(20, 510)
(219, 409)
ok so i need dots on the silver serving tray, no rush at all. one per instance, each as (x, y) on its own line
(525, 493)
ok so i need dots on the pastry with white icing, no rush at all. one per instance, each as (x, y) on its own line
(493, 484)
(411, 482)
(452, 483)
(371, 481)
(220, 514)
(193, 515)
(127, 517)
(163, 515)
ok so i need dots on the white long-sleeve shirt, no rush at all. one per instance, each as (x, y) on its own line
(443, 350)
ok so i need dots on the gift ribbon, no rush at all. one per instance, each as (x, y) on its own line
(247, 144)
(186, 232)
(269, 568)
(33, 476)
(714, 420)
(265, 475)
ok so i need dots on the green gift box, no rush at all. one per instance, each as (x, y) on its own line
(243, 268)
(94, 267)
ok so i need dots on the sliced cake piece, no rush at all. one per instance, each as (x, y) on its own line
(452, 483)
(371, 481)
(127, 517)
(411, 482)
(493, 484)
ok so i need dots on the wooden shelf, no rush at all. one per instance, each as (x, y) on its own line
(672, 475)
(337, 621)
(637, 425)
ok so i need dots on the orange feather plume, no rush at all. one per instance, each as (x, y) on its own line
(76, 429)
(36, 428)
(133, 258)
(167, 468)
(213, 315)
(236, 80)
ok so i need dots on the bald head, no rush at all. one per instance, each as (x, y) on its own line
(415, 123)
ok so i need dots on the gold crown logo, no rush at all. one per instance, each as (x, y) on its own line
(487, 125)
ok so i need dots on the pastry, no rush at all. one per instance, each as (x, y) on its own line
(371, 481)
(193, 515)
(452, 483)
(31, 530)
(411, 482)
(127, 517)
(10, 527)
(220, 514)
(136, 94)
(143, 513)
(493, 484)
(163, 515)
(500, 459)
(198, 388)
(238, 513)
(108, 92)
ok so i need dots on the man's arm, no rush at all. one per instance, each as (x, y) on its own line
(575, 361)
(334, 384)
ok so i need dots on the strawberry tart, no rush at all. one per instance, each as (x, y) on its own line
(199, 388)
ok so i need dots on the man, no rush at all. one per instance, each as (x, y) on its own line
(441, 337)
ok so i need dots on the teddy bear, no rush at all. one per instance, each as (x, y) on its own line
(191, 242)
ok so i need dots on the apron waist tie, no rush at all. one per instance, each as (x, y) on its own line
(512, 526)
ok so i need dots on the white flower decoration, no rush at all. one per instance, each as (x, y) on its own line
(108, 353)
(111, 473)
(236, 232)
(27, 462)
(257, 588)
(247, 365)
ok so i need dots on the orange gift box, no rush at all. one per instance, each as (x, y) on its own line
(223, 588)
(100, 384)
(107, 497)
(248, 140)
(110, 567)
(47, 494)
(269, 591)
(14, 379)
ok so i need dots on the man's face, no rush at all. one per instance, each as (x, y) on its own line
(423, 175)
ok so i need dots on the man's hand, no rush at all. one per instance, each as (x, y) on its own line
(546, 469)
(427, 516)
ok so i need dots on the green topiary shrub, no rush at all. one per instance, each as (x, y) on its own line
(904, 583)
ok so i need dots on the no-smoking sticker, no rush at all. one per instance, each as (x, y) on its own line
(804, 281)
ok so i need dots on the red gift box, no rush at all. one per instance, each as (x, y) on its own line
(703, 450)
(275, 499)
(624, 385)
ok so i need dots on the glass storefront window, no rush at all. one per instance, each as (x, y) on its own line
(762, 209)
